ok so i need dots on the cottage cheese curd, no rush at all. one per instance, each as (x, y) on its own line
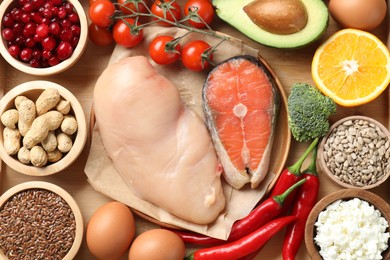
(351, 229)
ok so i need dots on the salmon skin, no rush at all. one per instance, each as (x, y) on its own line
(241, 104)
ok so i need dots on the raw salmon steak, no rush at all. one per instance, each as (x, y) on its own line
(241, 104)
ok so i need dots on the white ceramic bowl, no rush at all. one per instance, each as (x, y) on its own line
(7, 5)
(32, 90)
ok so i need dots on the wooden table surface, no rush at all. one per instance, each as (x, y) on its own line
(291, 66)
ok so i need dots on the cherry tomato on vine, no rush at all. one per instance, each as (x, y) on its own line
(158, 52)
(122, 33)
(99, 36)
(101, 12)
(204, 9)
(191, 55)
(166, 9)
(124, 7)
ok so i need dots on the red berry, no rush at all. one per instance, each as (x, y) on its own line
(49, 43)
(76, 30)
(31, 42)
(74, 18)
(8, 34)
(35, 63)
(64, 50)
(66, 35)
(26, 54)
(8, 20)
(55, 28)
(25, 18)
(46, 54)
(53, 60)
(14, 50)
(42, 30)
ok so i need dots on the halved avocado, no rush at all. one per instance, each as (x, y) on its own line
(232, 12)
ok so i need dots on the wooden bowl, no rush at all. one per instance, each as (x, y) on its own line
(344, 194)
(7, 5)
(32, 90)
(324, 168)
(41, 185)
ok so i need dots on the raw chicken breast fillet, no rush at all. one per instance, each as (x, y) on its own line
(161, 148)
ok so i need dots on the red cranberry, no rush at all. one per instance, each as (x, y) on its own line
(14, 50)
(64, 50)
(55, 28)
(69, 8)
(18, 27)
(75, 41)
(36, 17)
(20, 41)
(36, 54)
(29, 29)
(53, 60)
(22, 2)
(76, 30)
(28, 7)
(25, 18)
(35, 63)
(74, 18)
(8, 20)
(42, 30)
(49, 43)
(66, 35)
(26, 54)
(61, 13)
(66, 23)
(46, 54)
(8, 34)
(16, 14)
(38, 3)
(56, 2)
(30, 42)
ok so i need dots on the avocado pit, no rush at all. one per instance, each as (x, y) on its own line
(278, 16)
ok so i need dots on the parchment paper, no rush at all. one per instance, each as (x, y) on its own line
(105, 179)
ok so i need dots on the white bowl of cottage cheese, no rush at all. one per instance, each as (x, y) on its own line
(349, 224)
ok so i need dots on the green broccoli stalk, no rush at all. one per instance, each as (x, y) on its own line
(308, 112)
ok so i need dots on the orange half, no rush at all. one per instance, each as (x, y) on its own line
(352, 67)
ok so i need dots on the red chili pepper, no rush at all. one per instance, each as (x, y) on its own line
(290, 176)
(262, 214)
(306, 198)
(245, 245)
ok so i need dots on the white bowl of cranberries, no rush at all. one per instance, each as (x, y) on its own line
(42, 37)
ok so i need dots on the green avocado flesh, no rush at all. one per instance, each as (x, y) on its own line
(231, 11)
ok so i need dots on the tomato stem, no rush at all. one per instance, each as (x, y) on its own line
(167, 6)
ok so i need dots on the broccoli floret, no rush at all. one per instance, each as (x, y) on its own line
(308, 112)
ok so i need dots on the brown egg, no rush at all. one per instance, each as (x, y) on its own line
(358, 14)
(110, 231)
(157, 244)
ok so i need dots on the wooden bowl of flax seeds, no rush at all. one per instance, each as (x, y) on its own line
(39, 220)
(355, 153)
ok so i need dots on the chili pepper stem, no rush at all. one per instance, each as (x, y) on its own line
(280, 198)
(312, 168)
(296, 167)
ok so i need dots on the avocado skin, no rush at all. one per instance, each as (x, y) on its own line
(231, 11)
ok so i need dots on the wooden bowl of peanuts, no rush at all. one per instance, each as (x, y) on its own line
(36, 208)
(356, 153)
(43, 128)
